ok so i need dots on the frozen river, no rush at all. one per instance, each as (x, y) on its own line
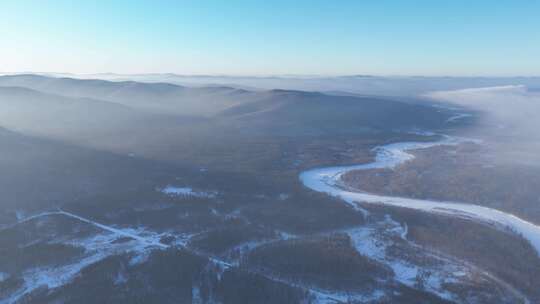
(328, 180)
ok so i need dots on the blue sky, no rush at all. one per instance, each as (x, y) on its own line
(272, 37)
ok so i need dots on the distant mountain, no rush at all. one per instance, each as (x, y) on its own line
(41, 113)
(155, 97)
(357, 84)
(302, 113)
(154, 116)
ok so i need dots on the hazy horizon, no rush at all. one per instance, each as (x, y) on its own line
(283, 75)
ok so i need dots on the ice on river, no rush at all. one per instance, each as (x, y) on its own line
(328, 180)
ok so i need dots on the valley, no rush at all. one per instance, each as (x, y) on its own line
(269, 197)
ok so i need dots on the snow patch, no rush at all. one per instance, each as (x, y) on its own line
(196, 295)
(120, 278)
(458, 117)
(283, 196)
(3, 276)
(187, 192)
(374, 242)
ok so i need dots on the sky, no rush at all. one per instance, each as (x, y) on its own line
(301, 37)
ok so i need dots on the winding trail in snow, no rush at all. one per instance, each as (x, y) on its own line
(328, 180)
(150, 241)
(120, 232)
(321, 295)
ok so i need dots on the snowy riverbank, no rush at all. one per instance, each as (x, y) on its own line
(328, 180)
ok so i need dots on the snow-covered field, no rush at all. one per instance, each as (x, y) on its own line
(328, 180)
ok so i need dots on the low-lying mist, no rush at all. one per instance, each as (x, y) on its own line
(508, 117)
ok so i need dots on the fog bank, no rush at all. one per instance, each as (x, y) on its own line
(508, 115)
